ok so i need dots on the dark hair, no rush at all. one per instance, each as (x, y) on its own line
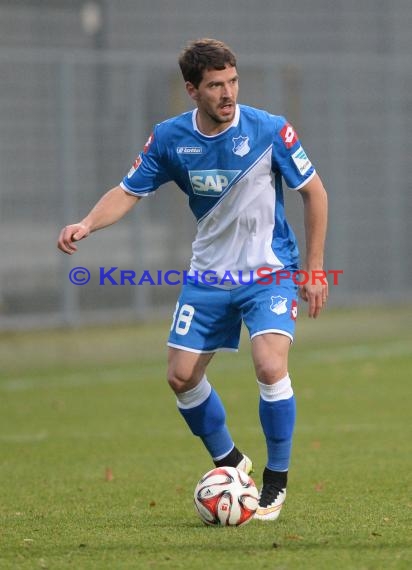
(203, 54)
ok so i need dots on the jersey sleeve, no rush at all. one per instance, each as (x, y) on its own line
(289, 157)
(148, 171)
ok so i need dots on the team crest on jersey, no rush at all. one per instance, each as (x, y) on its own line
(278, 305)
(211, 182)
(241, 145)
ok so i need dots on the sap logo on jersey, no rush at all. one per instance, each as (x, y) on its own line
(212, 182)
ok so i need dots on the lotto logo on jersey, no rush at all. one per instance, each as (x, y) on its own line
(212, 182)
(135, 166)
(294, 310)
(148, 143)
(289, 135)
(189, 150)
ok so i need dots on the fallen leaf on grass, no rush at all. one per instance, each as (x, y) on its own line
(293, 537)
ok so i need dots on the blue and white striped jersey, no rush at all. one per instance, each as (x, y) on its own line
(233, 181)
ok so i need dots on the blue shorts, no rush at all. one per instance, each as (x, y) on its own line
(209, 319)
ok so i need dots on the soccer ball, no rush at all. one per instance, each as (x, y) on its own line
(226, 496)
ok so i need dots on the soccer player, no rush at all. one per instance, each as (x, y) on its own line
(230, 160)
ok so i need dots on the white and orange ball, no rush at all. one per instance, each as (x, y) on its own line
(226, 496)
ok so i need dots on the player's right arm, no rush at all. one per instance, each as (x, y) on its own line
(111, 207)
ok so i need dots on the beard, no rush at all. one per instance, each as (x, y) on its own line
(221, 119)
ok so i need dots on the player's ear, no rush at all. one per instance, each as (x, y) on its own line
(191, 90)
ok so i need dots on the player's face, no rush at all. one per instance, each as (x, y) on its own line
(215, 98)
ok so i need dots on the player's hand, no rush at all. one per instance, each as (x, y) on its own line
(71, 234)
(315, 295)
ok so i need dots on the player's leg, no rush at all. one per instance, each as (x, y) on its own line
(199, 329)
(277, 415)
(269, 311)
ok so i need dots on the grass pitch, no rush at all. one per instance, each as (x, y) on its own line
(97, 468)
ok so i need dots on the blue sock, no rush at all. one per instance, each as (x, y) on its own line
(277, 417)
(278, 420)
(207, 419)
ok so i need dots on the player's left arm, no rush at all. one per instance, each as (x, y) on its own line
(315, 203)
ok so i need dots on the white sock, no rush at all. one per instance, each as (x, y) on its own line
(195, 396)
(280, 390)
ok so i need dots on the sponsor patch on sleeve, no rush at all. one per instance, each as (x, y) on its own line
(289, 135)
(135, 166)
(148, 143)
(301, 161)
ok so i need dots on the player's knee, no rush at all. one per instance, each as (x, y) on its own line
(185, 373)
(180, 382)
(270, 371)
